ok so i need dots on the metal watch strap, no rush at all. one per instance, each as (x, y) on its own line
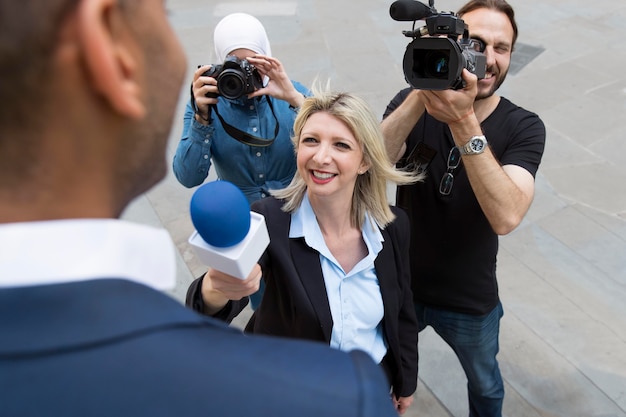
(467, 148)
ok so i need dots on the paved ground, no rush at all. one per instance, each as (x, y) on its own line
(563, 271)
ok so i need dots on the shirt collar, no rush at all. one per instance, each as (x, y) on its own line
(60, 251)
(304, 224)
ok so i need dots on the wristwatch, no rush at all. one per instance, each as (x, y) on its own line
(476, 145)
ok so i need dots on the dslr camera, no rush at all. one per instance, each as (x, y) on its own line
(235, 77)
(435, 59)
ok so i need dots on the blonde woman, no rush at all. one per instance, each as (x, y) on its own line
(337, 267)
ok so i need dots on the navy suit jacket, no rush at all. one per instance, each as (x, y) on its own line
(295, 302)
(112, 347)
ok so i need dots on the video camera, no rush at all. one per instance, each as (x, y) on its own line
(435, 62)
(235, 77)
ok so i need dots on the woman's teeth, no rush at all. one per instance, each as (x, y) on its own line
(322, 175)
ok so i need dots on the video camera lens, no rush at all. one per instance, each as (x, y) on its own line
(437, 64)
(432, 63)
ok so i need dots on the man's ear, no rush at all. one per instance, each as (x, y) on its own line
(107, 47)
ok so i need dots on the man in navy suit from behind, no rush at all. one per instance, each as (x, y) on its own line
(88, 91)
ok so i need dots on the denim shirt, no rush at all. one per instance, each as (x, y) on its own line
(255, 170)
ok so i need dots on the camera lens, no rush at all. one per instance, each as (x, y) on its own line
(231, 84)
(437, 64)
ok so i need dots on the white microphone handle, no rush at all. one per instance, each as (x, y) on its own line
(239, 259)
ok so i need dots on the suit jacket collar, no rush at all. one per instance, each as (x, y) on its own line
(385, 266)
(307, 262)
(63, 316)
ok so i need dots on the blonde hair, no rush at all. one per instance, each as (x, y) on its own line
(370, 191)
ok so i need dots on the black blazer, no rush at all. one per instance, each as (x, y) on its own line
(295, 302)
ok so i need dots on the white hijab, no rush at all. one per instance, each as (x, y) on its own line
(240, 30)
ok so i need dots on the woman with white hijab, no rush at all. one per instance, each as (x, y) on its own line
(247, 139)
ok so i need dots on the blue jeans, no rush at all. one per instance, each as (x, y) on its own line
(474, 340)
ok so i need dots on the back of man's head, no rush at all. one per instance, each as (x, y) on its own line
(28, 34)
(89, 90)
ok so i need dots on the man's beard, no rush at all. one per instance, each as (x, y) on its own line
(499, 80)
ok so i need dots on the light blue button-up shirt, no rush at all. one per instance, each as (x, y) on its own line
(354, 296)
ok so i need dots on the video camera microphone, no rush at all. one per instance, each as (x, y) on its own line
(228, 236)
(410, 10)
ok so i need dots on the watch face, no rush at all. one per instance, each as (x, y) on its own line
(477, 145)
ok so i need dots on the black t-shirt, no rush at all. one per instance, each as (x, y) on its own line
(453, 247)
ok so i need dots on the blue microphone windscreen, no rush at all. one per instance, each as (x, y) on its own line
(220, 213)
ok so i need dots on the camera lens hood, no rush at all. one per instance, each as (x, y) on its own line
(433, 63)
(231, 83)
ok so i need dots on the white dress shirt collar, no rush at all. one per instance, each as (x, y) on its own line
(60, 251)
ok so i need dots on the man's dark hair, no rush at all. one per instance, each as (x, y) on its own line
(498, 5)
(29, 31)
(28, 35)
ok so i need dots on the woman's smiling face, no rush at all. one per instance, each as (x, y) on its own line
(329, 157)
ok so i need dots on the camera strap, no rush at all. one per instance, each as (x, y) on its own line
(244, 137)
(235, 133)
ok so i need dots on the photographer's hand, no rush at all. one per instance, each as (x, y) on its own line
(279, 85)
(201, 86)
(452, 106)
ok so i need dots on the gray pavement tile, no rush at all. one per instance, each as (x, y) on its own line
(599, 246)
(598, 185)
(558, 355)
(524, 54)
(553, 267)
(583, 119)
(562, 152)
(442, 373)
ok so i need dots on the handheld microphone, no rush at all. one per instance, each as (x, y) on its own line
(410, 10)
(227, 236)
